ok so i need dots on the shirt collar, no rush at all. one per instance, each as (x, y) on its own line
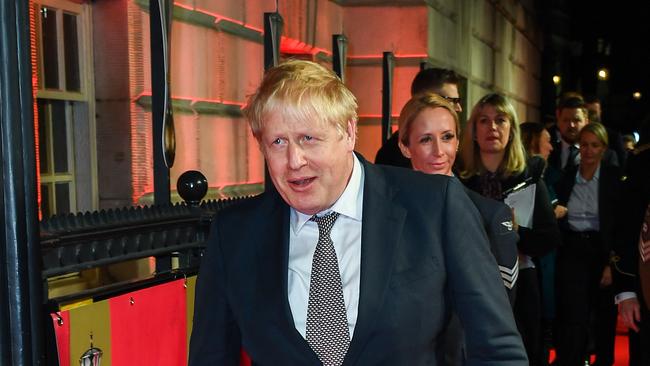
(565, 145)
(350, 203)
(581, 180)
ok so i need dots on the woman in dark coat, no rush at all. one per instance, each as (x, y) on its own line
(589, 192)
(495, 165)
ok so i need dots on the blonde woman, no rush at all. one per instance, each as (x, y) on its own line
(429, 133)
(590, 193)
(494, 164)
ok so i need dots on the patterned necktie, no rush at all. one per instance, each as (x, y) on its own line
(327, 324)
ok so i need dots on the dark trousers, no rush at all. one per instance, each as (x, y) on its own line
(604, 327)
(578, 273)
(528, 314)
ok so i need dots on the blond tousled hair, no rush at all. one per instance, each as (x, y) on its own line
(302, 90)
(597, 130)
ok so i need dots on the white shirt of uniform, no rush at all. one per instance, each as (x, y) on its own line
(346, 236)
(583, 203)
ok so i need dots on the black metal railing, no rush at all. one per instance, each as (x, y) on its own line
(72, 243)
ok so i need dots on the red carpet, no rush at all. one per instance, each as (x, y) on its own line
(621, 350)
(621, 355)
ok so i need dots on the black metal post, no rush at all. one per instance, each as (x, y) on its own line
(21, 318)
(273, 23)
(388, 64)
(161, 109)
(339, 54)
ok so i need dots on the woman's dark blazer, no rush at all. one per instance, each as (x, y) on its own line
(545, 234)
(608, 195)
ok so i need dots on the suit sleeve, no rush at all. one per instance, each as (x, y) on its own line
(628, 225)
(610, 204)
(475, 286)
(503, 242)
(545, 234)
(215, 336)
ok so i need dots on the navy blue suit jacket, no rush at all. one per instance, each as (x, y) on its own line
(635, 197)
(423, 253)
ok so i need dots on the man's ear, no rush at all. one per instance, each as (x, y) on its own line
(352, 132)
(405, 149)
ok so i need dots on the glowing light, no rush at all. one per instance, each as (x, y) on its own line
(557, 79)
(380, 56)
(603, 74)
(636, 95)
(33, 59)
(294, 46)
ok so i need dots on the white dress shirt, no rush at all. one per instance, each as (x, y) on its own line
(346, 236)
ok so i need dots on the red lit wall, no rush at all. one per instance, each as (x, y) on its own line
(484, 44)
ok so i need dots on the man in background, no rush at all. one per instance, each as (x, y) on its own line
(443, 82)
(616, 143)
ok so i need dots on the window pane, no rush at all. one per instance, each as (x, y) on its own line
(71, 47)
(45, 201)
(59, 136)
(62, 195)
(50, 53)
(42, 138)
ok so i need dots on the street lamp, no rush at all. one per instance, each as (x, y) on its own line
(557, 79)
(603, 74)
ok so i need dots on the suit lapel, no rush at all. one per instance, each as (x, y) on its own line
(555, 159)
(272, 269)
(381, 230)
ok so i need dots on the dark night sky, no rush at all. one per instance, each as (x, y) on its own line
(624, 27)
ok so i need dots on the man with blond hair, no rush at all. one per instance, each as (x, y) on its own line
(342, 262)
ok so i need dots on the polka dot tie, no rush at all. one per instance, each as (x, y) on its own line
(327, 324)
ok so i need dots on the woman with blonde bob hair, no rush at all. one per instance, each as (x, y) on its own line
(513, 155)
(495, 165)
(590, 192)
